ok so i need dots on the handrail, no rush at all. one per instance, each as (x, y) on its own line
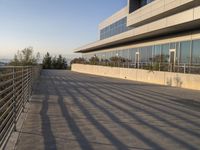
(152, 66)
(16, 84)
(16, 66)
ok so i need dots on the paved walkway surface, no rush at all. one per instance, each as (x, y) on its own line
(72, 111)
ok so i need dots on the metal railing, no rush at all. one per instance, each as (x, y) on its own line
(15, 91)
(179, 68)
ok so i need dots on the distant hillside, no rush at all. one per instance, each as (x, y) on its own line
(4, 62)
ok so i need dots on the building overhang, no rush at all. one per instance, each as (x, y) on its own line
(186, 20)
(156, 10)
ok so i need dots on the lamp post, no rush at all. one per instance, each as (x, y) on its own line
(117, 55)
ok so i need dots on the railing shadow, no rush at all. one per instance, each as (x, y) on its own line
(49, 139)
(139, 88)
(114, 140)
(154, 102)
(119, 98)
(154, 128)
(81, 139)
(115, 119)
(144, 122)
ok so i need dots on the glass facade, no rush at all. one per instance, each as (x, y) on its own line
(149, 1)
(137, 4)
(184, 52)
(145, 2)
(114, 29)
(196, 52)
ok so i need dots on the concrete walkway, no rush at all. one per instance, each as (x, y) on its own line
(71, 111)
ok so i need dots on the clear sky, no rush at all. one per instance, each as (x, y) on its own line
(57, 26)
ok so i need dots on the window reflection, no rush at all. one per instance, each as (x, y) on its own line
(114, 29)
(196, 52)
(186, 52)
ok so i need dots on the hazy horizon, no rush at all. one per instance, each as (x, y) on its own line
(51, 26)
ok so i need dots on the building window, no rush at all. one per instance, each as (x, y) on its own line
(172, 45)
(185, 52)
(136, 4)
(196, 52)
(165, 53)
(149, 53)
(157, 54)
(114, 29)
(132, 55)
(143, 3)
(143, 55)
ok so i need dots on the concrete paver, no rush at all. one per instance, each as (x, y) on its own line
(75, 111)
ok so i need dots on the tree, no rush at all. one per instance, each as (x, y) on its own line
(64, 62)
(79, 60)
(55, 62)
(47, 61)
(38, 56)
(60, 62)
(117, 59)
(25, 57)
(94, 60)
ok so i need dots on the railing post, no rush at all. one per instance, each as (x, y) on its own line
(184, 68)
(159, 66)
(30, 82)
(23, 90)
(170, 67)
(14, 101)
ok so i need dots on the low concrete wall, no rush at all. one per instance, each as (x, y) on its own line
(188, 81)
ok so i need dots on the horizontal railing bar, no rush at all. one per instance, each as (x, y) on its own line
(6, 135)
(4, 114)
(9, 119)
(26, 80)
(6, 97)
(5, 104)
(5, 75)
(19, 102)
(19, 72)
(19, 110)
(7, 126)
(5, 67)
(6, 90)
(18, 90)
(15, 91)
(16, 78)
(18, 86)
(26, 85)
(5, 82)
(10, 115)
(18, 97)
(19, 113)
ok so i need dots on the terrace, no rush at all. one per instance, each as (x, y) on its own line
(69, 110)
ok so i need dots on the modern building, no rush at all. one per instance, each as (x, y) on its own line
(150, 31)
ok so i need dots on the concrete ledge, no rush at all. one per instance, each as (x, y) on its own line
(181, 80)
(13, 139)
